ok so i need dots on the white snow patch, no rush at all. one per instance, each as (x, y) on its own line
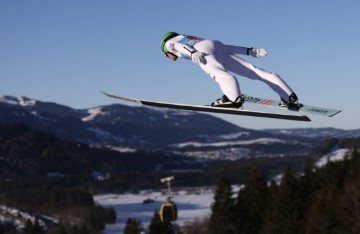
(228, 153)
(277, 179)
(336, 155)
(285, 131)
(93, 113)
(234, 135)
(263, 141)
(124, 149)
(23, 101)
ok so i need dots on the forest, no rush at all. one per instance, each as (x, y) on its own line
(315, 200)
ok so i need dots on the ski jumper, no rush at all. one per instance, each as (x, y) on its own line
(222, 60)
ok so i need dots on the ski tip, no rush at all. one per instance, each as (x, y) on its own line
(103, 92)
(108, 94)
(127, 99)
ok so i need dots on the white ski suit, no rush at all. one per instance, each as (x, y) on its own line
(221, 60)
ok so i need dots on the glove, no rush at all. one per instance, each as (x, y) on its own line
(198, 57)
(257, 53)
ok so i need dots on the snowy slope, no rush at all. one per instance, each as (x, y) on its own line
(336, 155)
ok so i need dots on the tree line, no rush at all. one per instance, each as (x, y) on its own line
(318, 200)
(315, 200)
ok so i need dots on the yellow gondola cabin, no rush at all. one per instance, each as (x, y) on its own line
(168, 212)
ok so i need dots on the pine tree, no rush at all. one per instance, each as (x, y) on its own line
(308, 185)
(321, 217)
(158, 227)
(352, 171)
(37, 228)
(252, 203)
(348, 209)
(336, 207)
(284, 211)
(269, 223)
(220, 220)
(33, 228)
(7, 228)
(133, 226)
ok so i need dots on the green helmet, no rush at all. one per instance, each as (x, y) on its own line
(165, 38)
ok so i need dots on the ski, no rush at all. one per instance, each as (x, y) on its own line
(211, 109)
(300, 108)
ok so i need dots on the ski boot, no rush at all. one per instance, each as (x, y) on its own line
(224, 101)
(292, 103)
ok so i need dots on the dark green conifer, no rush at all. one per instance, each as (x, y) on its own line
(220, 220)
(252, 203)
(158, 227)
(133, 226)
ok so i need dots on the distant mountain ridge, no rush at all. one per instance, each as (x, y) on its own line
(191, 133)
(113, 124)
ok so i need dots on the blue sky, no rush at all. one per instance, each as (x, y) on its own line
(66, 51)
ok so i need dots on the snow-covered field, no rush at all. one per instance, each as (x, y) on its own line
(191, 205)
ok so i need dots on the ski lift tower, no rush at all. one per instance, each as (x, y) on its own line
(168, 180)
